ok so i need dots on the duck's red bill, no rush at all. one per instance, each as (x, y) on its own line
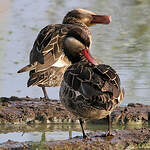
(89, 57)
(101, 19)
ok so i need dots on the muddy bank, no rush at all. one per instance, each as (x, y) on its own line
(125, 139)
(16, 110)
(27, 110)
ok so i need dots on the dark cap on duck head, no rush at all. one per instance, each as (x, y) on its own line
(87, 17)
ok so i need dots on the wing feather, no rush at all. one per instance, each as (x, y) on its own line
(98, 81)
(43, 44)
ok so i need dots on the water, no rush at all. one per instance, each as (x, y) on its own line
(50, 132)
(124, 44)
(38, 133)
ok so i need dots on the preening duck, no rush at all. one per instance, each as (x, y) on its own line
(89, 90)
(47, 59)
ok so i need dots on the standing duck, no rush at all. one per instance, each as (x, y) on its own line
(89, 90)
(47, 60)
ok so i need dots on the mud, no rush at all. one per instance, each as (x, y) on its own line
(27, 110)
(16, 110)
(125, 139)
(132, 113)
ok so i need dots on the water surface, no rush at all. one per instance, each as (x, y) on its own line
(124, 44)
(51, 132)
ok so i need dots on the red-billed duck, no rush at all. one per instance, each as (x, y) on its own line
(89, 90)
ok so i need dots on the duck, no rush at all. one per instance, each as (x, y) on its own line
(89, 90)
(47, 62)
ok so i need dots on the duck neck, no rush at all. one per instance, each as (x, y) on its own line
(86, 62)
(75, 21)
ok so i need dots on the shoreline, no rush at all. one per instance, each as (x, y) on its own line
(27, 111)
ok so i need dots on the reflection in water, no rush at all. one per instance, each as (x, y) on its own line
(124, 44)
(39, 133)
(51, 132)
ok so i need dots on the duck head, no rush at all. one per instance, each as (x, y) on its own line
(77, 41)
(86, 17)
(76, 51)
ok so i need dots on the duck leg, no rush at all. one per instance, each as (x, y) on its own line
(81, 123)
(45, 93)
(109, 132)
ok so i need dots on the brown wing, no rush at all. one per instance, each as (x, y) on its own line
(47, 47)
(110, 77)
(99, 84)
(42, 40)
(84, 80)
(49, 78)
(43, 49)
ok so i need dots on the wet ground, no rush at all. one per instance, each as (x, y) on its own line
(39, 120)
(27, 110)
(122, 139)
(124, 44)
(52, 132)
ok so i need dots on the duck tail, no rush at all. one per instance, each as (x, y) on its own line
(26, 68)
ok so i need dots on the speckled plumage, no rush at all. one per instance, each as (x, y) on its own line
(91, 92)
